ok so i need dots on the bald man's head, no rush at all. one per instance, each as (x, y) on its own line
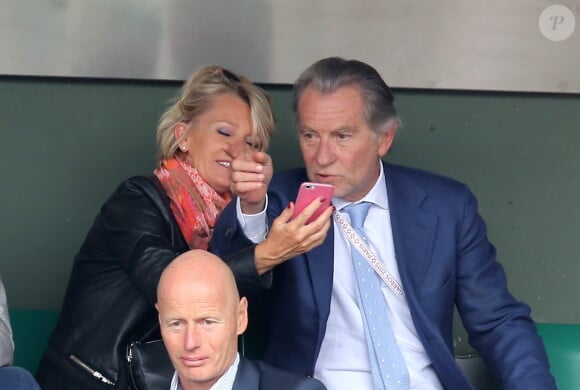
(201, 316)
(198, 266)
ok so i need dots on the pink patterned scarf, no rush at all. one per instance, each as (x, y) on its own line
(195, 204)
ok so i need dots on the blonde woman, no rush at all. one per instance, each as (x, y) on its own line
(148, 221)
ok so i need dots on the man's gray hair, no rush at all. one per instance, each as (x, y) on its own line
(330, 74)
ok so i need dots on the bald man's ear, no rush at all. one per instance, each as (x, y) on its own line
(158, 313)
(242, 315)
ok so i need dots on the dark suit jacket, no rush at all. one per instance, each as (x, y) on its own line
(444, 259)
(254, 375)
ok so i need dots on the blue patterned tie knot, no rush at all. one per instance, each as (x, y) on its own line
(358, 213)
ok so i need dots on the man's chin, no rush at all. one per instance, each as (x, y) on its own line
(197, 375)
(338, 191)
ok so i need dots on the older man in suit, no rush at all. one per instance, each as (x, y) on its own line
(372, 306)
(201, 316)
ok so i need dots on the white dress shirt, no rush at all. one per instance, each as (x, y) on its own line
(343, 362)
(225, 382)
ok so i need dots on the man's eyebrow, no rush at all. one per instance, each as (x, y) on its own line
(170, 318)
(343, 129)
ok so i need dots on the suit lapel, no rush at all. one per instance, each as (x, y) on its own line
(320, 266)
(247, 377)
(413, 228)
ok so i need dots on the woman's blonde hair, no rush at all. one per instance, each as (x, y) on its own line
(196, 97)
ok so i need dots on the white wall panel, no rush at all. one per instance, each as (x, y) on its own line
(443, 44)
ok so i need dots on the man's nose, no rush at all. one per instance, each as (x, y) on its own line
(192, 337)
(325, 153)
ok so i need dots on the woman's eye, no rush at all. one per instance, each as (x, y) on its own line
(223, 132)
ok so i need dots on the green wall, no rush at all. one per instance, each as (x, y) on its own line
(65, 144)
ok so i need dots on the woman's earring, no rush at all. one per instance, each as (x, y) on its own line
(183, 148)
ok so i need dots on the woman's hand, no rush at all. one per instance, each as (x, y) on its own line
(291, 237)
(249, 176)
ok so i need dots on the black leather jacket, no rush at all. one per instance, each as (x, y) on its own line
(110, 298)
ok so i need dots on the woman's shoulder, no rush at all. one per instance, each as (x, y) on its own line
(140, 183)
(137, 192)
(147, 186)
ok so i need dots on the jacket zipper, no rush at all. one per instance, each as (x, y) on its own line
(91, 371)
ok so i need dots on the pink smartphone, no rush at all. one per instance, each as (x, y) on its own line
(309, 192)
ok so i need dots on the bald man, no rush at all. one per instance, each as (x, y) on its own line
(201, 316)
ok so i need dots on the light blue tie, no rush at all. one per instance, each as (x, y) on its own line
(387, 365)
